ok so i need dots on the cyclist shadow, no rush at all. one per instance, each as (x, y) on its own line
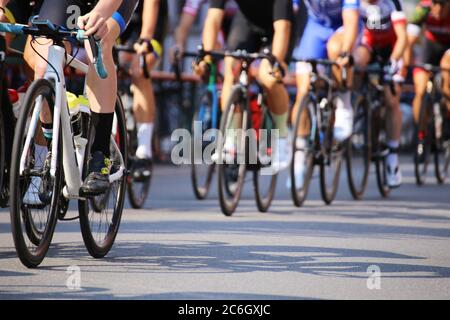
(209, 257)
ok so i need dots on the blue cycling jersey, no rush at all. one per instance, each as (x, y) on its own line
(329, 12)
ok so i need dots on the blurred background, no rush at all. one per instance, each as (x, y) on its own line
(175, 99)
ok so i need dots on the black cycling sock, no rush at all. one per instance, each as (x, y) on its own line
(102, 123)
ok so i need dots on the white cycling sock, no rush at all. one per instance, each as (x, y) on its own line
(145, 134)
(300, 155)
(392, 159)
(40, 153)
(346, 99)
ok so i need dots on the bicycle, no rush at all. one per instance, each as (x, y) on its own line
(314, 125)
(239, 115)
(369, 138)
(432, 134)
(206, 117)
(138, 188)
(63, 168)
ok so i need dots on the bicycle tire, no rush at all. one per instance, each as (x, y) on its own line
(380, 153)
(300, 193)
(137, 190)
(201, 190)
(424, 133)
(98, 245)
(332, 149)
(362, 112)
(229, 202)
(30, 259)
(264, 198)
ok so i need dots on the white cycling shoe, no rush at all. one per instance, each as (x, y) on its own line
(31, 196)
(229, 153)
(343, 125)
(299, 166)
(394, 176)
(281, 155)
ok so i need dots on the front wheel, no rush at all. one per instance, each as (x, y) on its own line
(100, 223)
(34, 190)
(231, 151)
(422, 152)
(380, 153)
(264, 177)
(331, 158)
(302, 163)
(202, 170)
(359, 150)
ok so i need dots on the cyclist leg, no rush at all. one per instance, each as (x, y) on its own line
(143, 94)
(102, 94)
(344, 110)
(445, 64)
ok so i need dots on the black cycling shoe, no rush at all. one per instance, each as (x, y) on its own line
(142, 169)
(97, 181)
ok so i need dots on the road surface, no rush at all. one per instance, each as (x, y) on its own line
(179, 248)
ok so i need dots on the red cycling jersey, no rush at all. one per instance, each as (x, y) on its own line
(436, 30)
(379, 18)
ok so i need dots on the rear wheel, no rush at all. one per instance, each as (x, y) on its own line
(422, 152)
(202, 170)
(231, 151)
(100, 222)
(302, 163)
(359, 150)
(331, 159)
(34, 191)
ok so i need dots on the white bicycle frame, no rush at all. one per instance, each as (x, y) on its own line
(73, 158)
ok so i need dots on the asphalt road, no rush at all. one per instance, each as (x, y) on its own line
(179, 248)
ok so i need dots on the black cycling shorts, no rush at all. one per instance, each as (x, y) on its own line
(65, 12)
(133, 31)
(431, 52)
(246, 36)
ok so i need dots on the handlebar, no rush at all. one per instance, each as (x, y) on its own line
(44, 28)
(142, 61)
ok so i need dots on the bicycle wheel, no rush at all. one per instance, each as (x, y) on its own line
(380, 153)
(424, 134)
(441, 144)
(138, 189)
(303, 150)
(331, 160)
(202, 170)
(359, 150)
(264, 179)
(34, 192)
(232, 151)
(99, 228)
